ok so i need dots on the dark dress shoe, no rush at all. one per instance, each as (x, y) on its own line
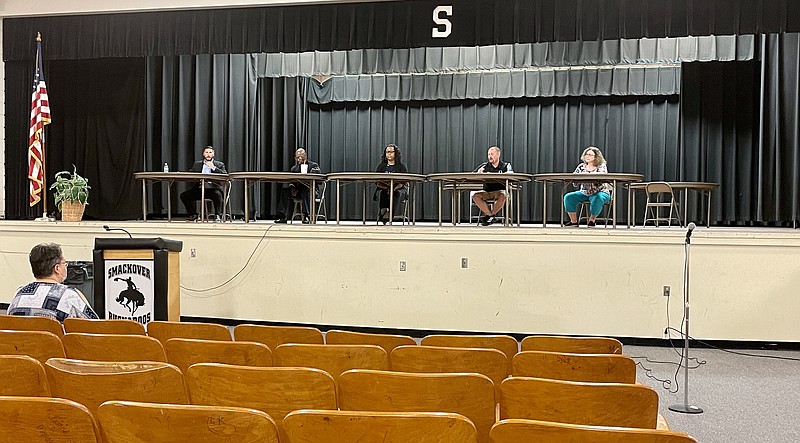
(280, 220)
(570, 223)
(591, 224)
(306, 220)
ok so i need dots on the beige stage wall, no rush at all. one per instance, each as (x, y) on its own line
(530, 280)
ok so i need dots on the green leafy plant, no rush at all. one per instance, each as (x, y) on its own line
(70, 186)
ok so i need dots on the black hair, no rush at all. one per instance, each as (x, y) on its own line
(397, 157)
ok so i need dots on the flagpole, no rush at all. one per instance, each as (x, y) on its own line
(43, 188)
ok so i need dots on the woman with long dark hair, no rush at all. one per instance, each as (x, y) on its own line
(391, 163)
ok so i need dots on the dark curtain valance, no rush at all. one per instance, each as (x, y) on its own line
(389, 24)
(516, 56)
(566, 82)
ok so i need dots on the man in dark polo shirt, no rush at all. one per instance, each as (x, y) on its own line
(491, 191)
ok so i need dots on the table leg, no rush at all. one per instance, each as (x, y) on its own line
(519, 206)
(440, 203)
(337, 202)
(613, 206)
(708, 210)
(312, 197)
(544, 204)
(224, 201)
(246, 203)
(169, 201)
(202, 200)
(364, 204)
(391, 201)
(685, 207)
(507, 207)
(144, 200)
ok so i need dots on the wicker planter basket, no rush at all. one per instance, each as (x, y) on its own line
(72, 211)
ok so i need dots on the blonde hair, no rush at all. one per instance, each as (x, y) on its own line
(599, 160)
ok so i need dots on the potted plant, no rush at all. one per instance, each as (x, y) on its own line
(71, 192)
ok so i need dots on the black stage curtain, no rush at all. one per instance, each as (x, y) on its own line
(536, 135)
(388, 24)
(98, 126)
(253, 124)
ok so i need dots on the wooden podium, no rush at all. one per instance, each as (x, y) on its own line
(137, 278)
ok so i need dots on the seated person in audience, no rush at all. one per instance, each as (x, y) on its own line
(391, 163)
(298, 191)
(47, 296)
(213, 190)
(596, 193)
(491, 191)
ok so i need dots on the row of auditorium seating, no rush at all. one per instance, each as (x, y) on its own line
(544, 394)
(35, 420)
(280, 391)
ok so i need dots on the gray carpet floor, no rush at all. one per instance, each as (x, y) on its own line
(744, 399)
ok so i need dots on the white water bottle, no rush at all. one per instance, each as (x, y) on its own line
(166, 167)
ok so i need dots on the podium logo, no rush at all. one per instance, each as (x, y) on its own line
(129, 291)
(131, 298)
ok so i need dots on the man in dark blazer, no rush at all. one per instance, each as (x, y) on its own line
(213, 190)
(297, 191)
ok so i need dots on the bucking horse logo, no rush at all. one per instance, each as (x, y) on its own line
(131, 298)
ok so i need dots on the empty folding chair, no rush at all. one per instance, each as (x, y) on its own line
(22, 375)
(126, 422)
(184, 352)
(504, 343)
(274, 336)
(25, 323)
(333, 359)
(113, 347)
(115, 326)
(165, 330)
(574, 345)
(311, 426)
(516, 430)
(386, 341)
(37, 344)
(46, 420)
(598, 368)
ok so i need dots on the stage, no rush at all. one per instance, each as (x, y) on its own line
(493, 279)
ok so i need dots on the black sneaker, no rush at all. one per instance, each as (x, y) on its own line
(591, 224)
(570, 223)
(280, 220)
(306, 220)
(486, 220)
(192, 218)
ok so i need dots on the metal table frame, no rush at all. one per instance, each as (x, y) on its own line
(456, 179)
(171, 177)
(376, 177)
(702, 187)
(251, 178)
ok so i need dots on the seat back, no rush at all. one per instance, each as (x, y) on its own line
(597, 404)
(25, 323)
(388, 427)
(489, 362)
(574, 345)
(117, 326)
(660, 195)
(386, 341)
(274, 336)
(276, 391)
(504, 343)
(598, 368)
(333, 359)
(40, 345)
(46, 420)
(92, 383)
(165, 330)
(471, 395)
(112, 347)
(126, 422)
(184, 352)
(516, 430)
(22, 375)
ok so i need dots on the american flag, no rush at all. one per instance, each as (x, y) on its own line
(40, 116)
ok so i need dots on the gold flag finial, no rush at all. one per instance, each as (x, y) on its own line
(38, 36)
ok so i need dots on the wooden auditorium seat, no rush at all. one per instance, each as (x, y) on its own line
(386, 341)
(311, 426)
(596, 404)
(165, 330)
(471, 395)
(22, 375)
(46, 420)
(504, 343)
(112, 347)
(116, 326)
(597, 368)
(517, 430)
(573, 345)
(333, 359)
(276, 391)
(25, 323)
(489, 362)
(40, 345)
(184, 352)
(274, 336)
(91, 383)
(127, 422)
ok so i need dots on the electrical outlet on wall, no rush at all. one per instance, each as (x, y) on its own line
(193, 253)
(464, 263)
(666, 290)
(402, 265)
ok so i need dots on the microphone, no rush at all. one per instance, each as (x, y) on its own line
(482, 165)
(123, 230)
(689, 232)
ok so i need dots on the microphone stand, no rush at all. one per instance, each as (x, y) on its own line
(686, 408)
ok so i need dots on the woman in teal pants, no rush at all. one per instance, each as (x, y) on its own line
(596, 193)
